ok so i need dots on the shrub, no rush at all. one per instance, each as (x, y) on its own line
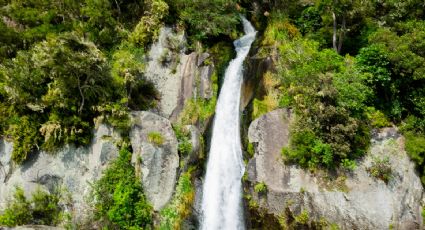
(348, 164)
(118, 199)
(415, 147)
(381, 169)
(250, 149)
(156, 138)
(180, 207)
(260, 187)
(184, 139)
(377, 118)
(25, 138)
(207, 18)
(149, 25)
(302, 218)
(328, 98)
(43, 208)
(18, 211)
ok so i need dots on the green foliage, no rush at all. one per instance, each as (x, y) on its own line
(53, 88)
(381, 169)
(184, 139)
(302, 218)
(180, 207)
(415, 147)
(148, 27)
(156, 138)
(377, 118)
(17, 211)
(60, 79)
(43, 209)
(260, 187)
(118, 198)
(348, 164)
(250, 149)
(207, 18)
(25, 137)
(328, 95)
(259, 108)
(198, 110)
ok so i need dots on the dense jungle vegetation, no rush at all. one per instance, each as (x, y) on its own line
(344, 67)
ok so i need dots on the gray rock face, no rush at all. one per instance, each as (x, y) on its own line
(70, 168)
(157, 162)
(176, 75)
(359, 201)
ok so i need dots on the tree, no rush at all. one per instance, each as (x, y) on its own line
(53, 87)
(207, 18)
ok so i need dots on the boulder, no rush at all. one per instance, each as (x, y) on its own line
(157, 162)
(70, 168)
(354, 200)
(177, 76)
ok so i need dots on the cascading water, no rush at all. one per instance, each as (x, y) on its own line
(221, 200)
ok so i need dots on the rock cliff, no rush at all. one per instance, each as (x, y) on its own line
(351, 200)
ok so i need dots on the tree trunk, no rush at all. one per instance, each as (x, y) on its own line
(334, 32)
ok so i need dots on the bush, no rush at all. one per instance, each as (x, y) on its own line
(25, 138)
(53, 88)
(207, 18)
(184, 139)
(148, 28)
(302, 218)
(327, 95)
(43, 209)
(18, 211)
(180, 207)
(118, 199)
(381, 169)
(260, 187)
(415, 147)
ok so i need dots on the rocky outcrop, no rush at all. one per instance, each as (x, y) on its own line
(176, 75)
(156, 160)
(256, 67)
(355, 200)
(70, 168)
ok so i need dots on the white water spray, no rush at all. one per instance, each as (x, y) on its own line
(221, 200)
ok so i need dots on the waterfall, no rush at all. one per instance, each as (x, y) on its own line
(222, 191)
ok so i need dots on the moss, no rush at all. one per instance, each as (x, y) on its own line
(156, 138)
